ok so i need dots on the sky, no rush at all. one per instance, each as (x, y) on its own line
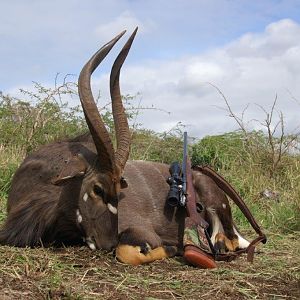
(185, 52)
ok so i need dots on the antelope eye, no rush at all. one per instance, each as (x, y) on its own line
(98, 190)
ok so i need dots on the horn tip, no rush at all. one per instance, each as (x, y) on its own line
(133, 34)
(135, 30)
(121, 34)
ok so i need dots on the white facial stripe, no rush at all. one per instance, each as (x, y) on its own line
(112, 209)
(66, 177)
(85, 197)
(79, 216)
(224, 205)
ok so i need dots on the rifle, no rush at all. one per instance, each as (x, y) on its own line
(198, 249)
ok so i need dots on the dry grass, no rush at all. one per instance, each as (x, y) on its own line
(78, 273)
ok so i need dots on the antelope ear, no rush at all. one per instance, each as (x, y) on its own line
(75, 167)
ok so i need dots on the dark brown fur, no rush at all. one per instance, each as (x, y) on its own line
(41, 212)
(144, 215)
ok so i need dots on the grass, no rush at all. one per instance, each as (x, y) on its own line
(78, 273)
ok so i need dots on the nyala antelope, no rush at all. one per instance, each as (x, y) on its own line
(82, 190)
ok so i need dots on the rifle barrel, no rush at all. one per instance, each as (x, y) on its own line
(184, 162)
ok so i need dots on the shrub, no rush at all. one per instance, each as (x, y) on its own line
(38, 118)
(245, 160)
(252, 161)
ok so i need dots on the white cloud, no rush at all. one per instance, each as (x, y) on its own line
(277, 38)
(252, 69)
(126, 20)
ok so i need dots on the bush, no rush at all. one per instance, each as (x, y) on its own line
(164, 147)
(39, 118)
(252, 161)
(246, 161)
(218, 151)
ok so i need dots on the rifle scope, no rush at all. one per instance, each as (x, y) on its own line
(175, 182)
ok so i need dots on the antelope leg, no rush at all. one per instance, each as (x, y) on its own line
(136, 255)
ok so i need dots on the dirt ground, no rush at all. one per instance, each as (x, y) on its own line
(79, 273)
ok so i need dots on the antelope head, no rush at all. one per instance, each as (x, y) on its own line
(100, 173)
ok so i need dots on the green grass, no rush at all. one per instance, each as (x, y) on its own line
(249, 167)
